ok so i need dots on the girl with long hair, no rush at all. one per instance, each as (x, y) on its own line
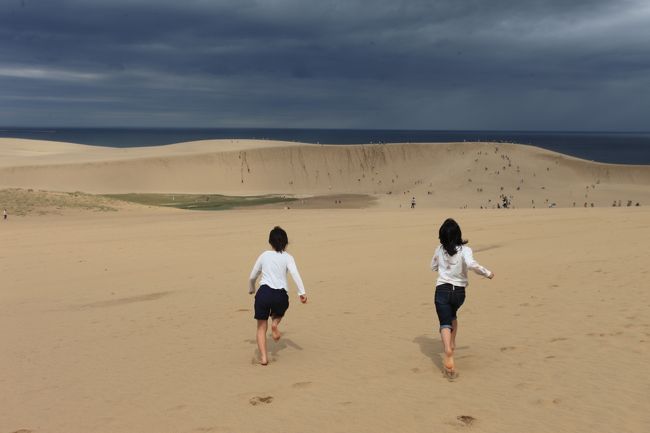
(451, 260)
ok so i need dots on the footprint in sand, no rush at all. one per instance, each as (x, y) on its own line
(506, 348)
(301, 385)
(523, 385)
(23, 430)
(553, 340)
(259, 400)
(241, 310)
(546, 402)
(466, 420)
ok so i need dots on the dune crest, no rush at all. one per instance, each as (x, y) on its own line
(441, 174)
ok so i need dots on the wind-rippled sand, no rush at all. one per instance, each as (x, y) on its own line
(141, 322)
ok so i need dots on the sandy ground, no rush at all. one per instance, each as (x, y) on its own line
(121, 318)
(141, 322)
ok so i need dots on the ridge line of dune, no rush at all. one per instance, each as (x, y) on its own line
(468, 173)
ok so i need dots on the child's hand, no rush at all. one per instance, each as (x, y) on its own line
(251, 291)
(491, 275)
(303, 299)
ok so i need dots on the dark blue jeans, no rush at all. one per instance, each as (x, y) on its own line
(448, 300)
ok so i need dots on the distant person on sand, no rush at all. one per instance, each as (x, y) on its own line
(452, 259)
(272, 299)
(4, 214)
(413, 203)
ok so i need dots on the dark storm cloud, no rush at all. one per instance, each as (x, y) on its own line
(413, 64)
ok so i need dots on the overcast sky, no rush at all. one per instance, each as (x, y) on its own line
(397, 64)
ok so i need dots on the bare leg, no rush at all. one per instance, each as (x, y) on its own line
(445, 334)
(262, 326)
(275, 332)
(454, 331)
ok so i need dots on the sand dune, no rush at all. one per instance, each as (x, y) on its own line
(16, 151)
(140, 321)
(438, 175)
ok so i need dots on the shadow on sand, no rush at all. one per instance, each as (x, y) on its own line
(274, 347)
(432, 348)
(277, 346)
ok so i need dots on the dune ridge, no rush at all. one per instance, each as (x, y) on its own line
(468, 174)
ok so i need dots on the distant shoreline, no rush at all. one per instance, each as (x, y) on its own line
(606, 147)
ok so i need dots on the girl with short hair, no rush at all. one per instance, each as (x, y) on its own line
(272, 299)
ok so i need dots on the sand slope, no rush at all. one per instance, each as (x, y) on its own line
(447, 175)
(121, 322)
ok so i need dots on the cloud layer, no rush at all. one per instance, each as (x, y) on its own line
(447, 64)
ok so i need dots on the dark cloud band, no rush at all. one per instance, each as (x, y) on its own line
(416, 64)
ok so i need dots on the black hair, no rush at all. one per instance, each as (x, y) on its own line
(278, 239)
(450, 236)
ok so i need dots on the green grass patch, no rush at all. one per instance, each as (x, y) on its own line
(36, 202)
(199, 201)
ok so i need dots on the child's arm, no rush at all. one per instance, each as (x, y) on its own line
(293, 270)
(257, 268)
(474, 265)
(434, 261)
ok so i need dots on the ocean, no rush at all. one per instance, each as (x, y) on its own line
(609, 147)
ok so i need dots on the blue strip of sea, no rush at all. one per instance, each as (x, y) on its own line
(609, 147)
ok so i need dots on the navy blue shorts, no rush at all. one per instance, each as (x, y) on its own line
(448, 300)
(270, 302)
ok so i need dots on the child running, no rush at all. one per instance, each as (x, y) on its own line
(451, 259)
(272, 298)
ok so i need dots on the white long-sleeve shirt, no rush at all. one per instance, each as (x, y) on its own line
(273, 266)
(453, 269)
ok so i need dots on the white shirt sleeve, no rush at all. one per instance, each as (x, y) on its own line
(293, 270)
(434, 261)
(257, 268)
(473, 264)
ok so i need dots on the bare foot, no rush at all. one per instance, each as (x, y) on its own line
(264, 361)
(450, 374)
(449, 369)
(449, 363)
(275, 332)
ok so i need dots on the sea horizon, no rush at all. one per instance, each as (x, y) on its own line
(617, 147)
